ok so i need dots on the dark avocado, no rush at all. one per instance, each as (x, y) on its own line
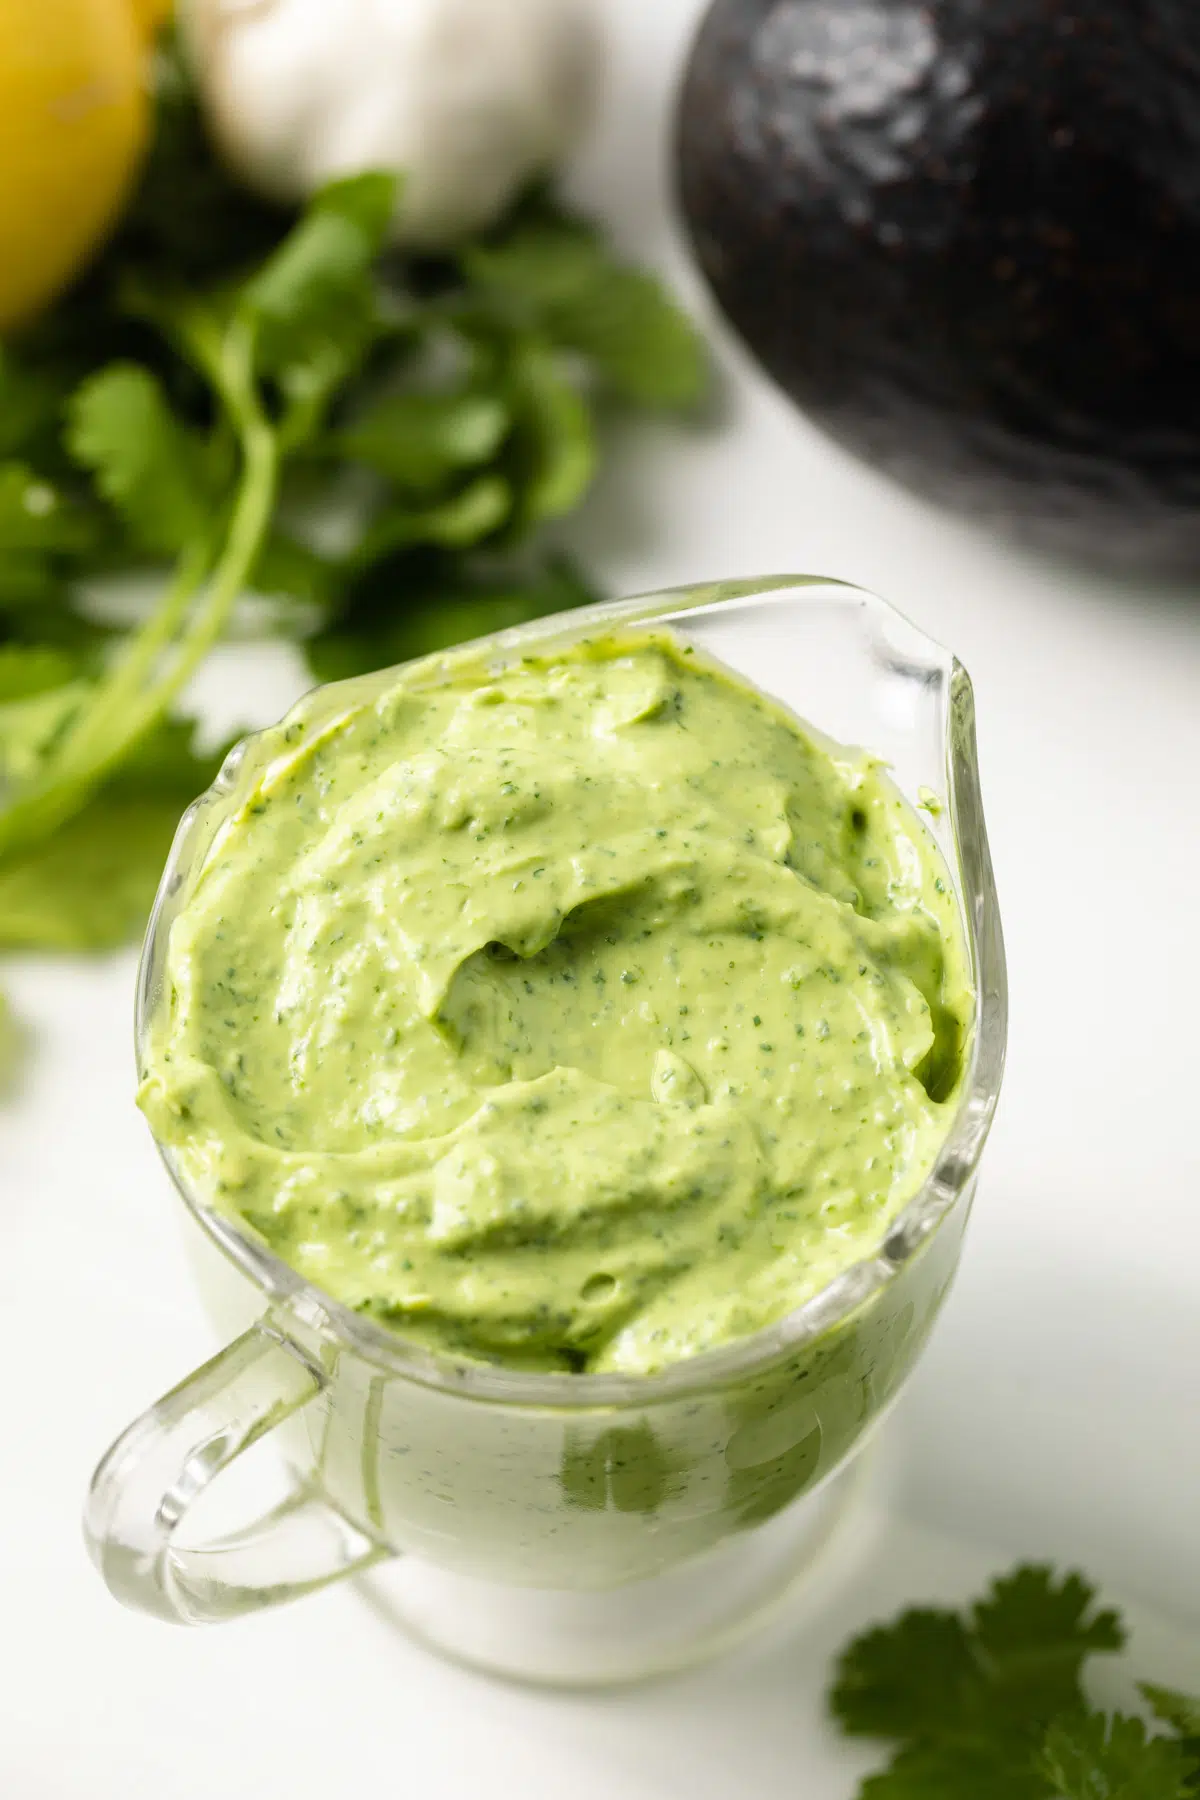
(965, 236)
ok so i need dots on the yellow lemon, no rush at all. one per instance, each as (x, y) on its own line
(73, 122)
(151, 14)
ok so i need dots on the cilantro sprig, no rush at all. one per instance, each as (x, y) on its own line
(989, 1704)
(237, 401)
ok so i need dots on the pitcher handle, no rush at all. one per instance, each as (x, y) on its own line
(146, 1483)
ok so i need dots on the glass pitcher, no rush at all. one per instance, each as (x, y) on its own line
(557, 1527)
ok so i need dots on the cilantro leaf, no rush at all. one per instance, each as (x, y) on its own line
(1033, 1635)
(456, 523)
(987, 1704)
(1091, 1757)
(290, 572)
(43, 532)
(467, 517)
(420, 440)
(37, 518)
(556, 277)
(1180, 1711)
(32, 723)
(316, 290)
(555, 446)
(1017, 1656)
(168, 763)
(37, 608)
(28, 670)
(422, 631)
(31, 397)
(90, 886)
(647, 350)
(329, 250)
(903, 1680)
(147, 465)
(409, 609)
(28, 582)
(315, 306)
(1082, 1756)
(982, 1770)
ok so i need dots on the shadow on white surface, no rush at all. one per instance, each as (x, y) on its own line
(1061, 1415)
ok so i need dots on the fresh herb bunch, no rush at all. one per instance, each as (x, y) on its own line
(988, 1703)
(245, 401)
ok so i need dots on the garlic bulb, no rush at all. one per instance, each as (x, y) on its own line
(466, 99)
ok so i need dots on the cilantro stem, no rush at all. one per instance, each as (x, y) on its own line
(91, 745)
(127, 676)
(132, 698)
(232, 371)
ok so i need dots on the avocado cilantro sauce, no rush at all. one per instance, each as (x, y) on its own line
(584, 1012)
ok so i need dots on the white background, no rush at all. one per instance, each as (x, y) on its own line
(1058, 1410)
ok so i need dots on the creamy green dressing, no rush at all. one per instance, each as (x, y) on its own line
(585, 1012)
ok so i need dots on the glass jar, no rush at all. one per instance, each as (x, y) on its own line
(574, 1528)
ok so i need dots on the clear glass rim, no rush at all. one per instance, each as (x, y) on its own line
(947, 1183)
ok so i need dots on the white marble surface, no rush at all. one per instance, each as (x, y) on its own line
(1058, 1410)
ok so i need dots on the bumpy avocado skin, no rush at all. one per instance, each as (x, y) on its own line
(965, 236)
